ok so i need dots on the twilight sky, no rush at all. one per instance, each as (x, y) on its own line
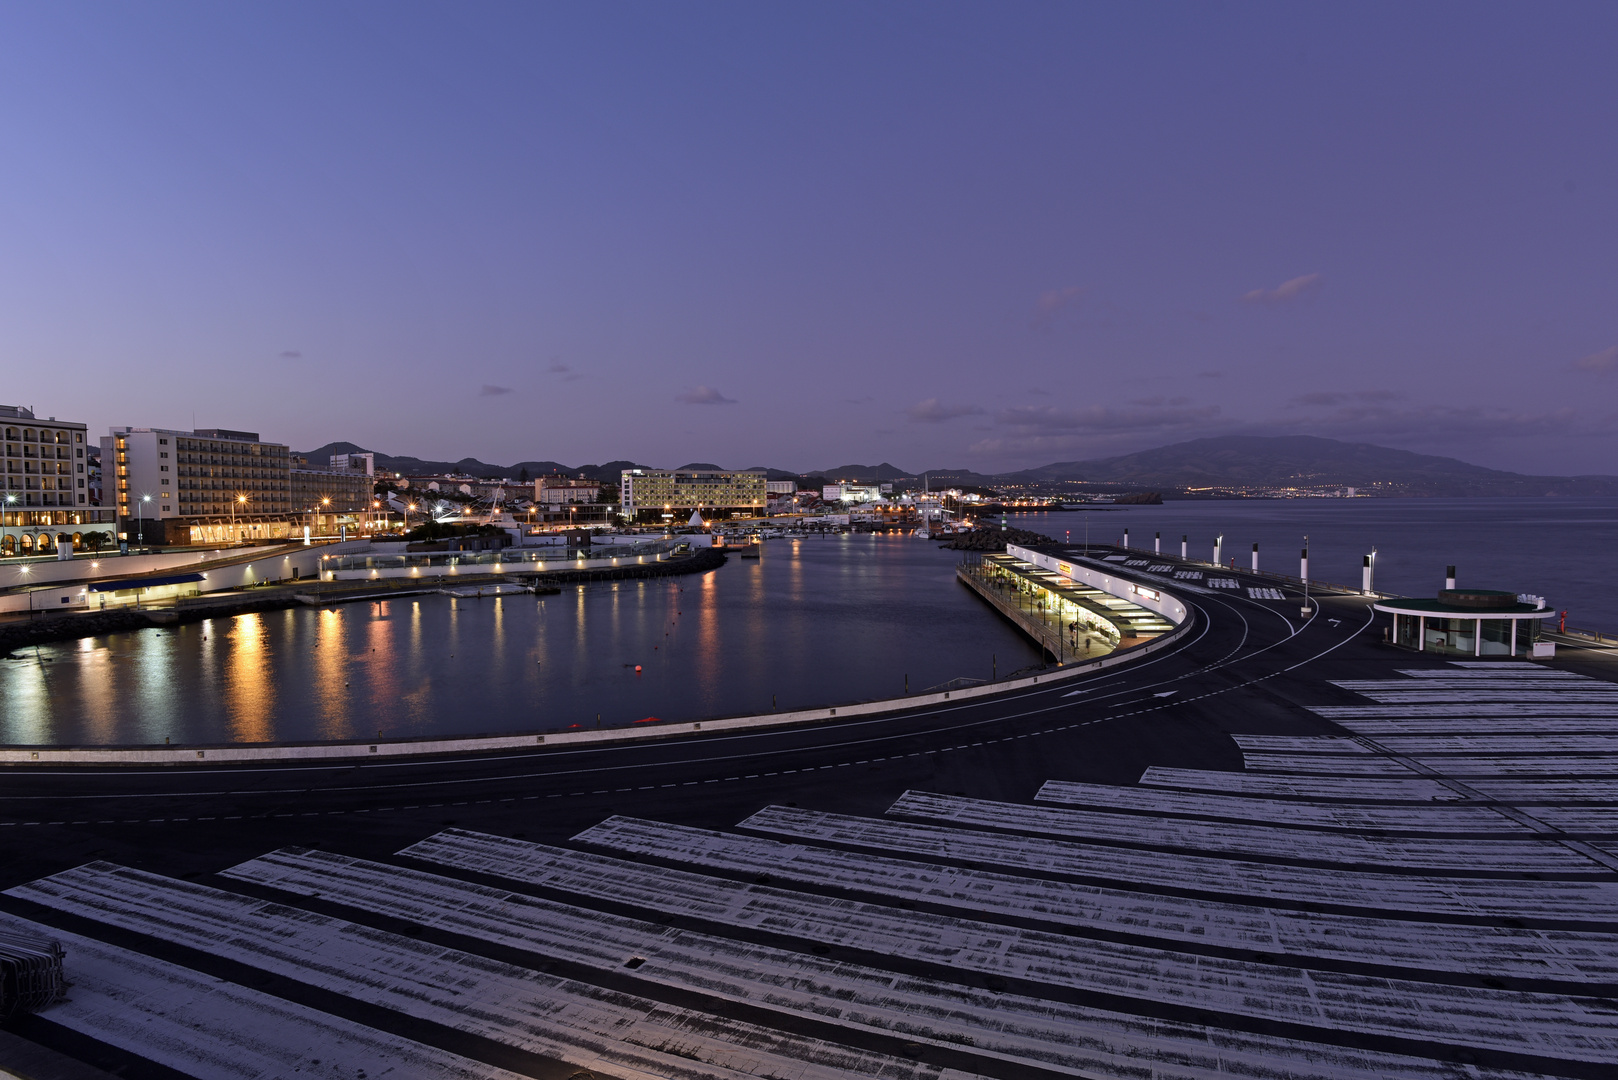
(973, 236)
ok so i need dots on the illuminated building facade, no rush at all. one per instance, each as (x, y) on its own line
(656, 495)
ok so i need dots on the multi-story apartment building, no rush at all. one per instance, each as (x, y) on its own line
(216, 485)
(364, 461)
(44, 482)
(657, 495)
(44, 461)
(328, 499)
(552, 492)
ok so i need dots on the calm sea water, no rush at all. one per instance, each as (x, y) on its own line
(811, 623)
(1561, 549)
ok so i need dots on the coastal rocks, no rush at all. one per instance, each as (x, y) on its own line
(995, 539)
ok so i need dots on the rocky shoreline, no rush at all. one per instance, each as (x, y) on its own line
(994, 538)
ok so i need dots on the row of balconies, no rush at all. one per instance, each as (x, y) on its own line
(29, 435)
(32, 467)
(16, 451)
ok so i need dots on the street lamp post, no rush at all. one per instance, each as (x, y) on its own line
(241, 499)
(11, 500)
(1306, 608)
(140, 522)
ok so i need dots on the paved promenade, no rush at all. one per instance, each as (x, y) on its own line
(1278, 847)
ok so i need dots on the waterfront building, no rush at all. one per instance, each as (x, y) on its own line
(772, 488)
(1471, 622)
(44, 483)
(212, 485)
(551, 493)
(657, 495)
(327, 499)
(852, 493)
(44, 461)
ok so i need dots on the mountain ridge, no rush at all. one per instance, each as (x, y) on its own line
(1224, 462)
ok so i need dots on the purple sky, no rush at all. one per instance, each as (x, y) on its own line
(985, 236)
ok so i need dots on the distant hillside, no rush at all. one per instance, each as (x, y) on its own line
(609, 472)
(1307, 461)
(1231, 461)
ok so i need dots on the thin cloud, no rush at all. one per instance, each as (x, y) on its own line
(291, 354)
(490, 390)
(933, 411)
(1287, 291)
(1331, 398)
(1105, 418)
(1053, 303)
(1605, 360)
(704, 395)
(566, 372)
(1370, 417)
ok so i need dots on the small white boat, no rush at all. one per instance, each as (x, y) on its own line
(472, 592)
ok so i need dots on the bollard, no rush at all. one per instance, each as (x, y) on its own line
(1449, 577)
(1184, 539)
(1219, 550)
(1365, 575)
(1255, 558)
(1157, 544)
(1126, 539)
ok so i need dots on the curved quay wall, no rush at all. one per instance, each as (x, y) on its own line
(1115, 584)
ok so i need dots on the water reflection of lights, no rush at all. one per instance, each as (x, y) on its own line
(249, 681)
(331, 674)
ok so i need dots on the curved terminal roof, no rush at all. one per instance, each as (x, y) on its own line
(1439, 609)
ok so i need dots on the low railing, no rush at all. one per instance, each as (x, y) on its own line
(1314, 583)
(504, 556)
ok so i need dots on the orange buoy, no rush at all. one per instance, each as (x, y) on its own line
(637, 669)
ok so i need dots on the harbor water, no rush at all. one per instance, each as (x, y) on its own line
(814, 622)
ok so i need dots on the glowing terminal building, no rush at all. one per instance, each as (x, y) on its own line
(660, 496)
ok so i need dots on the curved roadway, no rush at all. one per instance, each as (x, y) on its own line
(1240, 667)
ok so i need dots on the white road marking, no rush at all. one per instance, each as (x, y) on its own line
(1586, 901)
(210, 1028)
(1422, 946)
(1551, 1024)
(539, 1013)
(1442, 818)
(1499, 856)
